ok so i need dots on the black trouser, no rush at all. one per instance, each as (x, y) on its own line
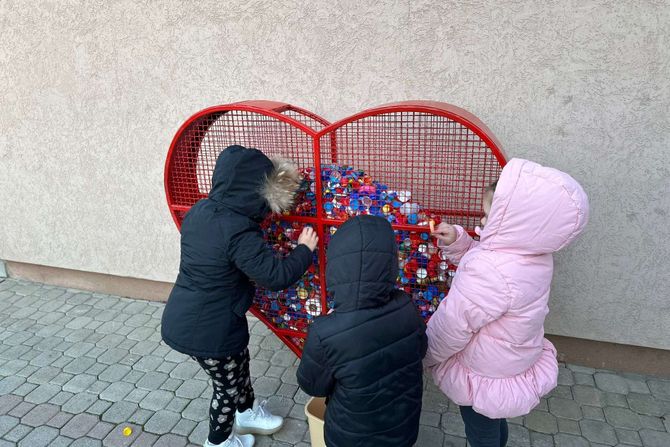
(232, 391)
(482, 431)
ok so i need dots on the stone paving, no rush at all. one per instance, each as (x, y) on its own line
(77, 368)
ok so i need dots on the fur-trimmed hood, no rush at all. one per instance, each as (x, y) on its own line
(248, 182)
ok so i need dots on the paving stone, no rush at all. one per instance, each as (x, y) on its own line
(7, 423)
(283, 358)
(116, 391)
(39, 437)
(60, 441)
(141, 416)
(144, 348)
(611, 383)
(100, 430)
(289, 375)
(586, 395)
(257, 368)
(17, 433)
(79, 403)
(645, 404)
(136, 395)
(453, 441)
(594, 413)
(177, 404)
(39, 415)
(519, 436)
(622, 418)
(156, 400)
(653, 438)
(628, 437)
(171, 384)
(199, 434)
(564, 440)
(79, 426)
(99, 407)
(148, 363)
(185, 370)
(42, 393)
(542, 422)
(133, 377)
(59, 419)
(301, 397)
(266, 386)
(569, 426)
(637, 384)
(119, 412)
(79, 365)
(11, 383)
(171, 440)
(166, 367)
(191, 389)
(78, 349)
(184, 427)
(43, 375)
(615, 400)
(21, 409)
(565, 408)
(541, 440)
(453, 424)
(581, 369)
(60, 398)
(429, 436)
(153, 381)
(12, 367)
(162, 422)
(145, 440)
(659, 388)
(8, 402)
(116, 438)
(561, 391)
(597, 431)
(79, 383)
(652, 422)
(197, 410)
(429, 418)
(141, 333)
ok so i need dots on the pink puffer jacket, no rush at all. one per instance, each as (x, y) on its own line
(486, 340)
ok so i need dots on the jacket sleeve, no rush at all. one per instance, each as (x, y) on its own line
(478, 296)
(314, 375)
(251, 254)
(460, 246)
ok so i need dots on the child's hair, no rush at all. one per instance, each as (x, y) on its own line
(491, 187)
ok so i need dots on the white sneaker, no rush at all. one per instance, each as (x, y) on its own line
(234, 440)
(258, 421)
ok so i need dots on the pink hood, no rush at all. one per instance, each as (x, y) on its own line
(535, 210)
(486, 340)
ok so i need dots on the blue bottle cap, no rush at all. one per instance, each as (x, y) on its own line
(412, 219)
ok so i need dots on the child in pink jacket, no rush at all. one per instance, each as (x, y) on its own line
(486, 345)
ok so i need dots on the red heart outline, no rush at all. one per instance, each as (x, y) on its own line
(193, 151)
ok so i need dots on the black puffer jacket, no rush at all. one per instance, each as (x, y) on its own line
(222, 251)
(366, 355)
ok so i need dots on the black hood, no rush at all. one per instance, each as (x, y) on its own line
(237, 181)
(362, 264)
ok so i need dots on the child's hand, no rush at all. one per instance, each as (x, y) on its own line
(445, 233)
(308, 237)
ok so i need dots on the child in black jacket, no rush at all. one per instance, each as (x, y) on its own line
(222, 251)
(366, 355)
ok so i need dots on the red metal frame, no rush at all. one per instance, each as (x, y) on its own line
(415, 134)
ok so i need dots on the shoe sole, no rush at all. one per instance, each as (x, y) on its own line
(257, 431)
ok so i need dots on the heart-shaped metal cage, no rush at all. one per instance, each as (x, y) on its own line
(412, 163)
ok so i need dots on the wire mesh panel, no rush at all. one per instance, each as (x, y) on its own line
(415, 164)
(197, 145)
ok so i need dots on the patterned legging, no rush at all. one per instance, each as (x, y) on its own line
(232, 391)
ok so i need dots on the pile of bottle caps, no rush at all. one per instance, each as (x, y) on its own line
(425, 273)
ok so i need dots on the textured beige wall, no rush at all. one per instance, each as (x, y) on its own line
(91, 93)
